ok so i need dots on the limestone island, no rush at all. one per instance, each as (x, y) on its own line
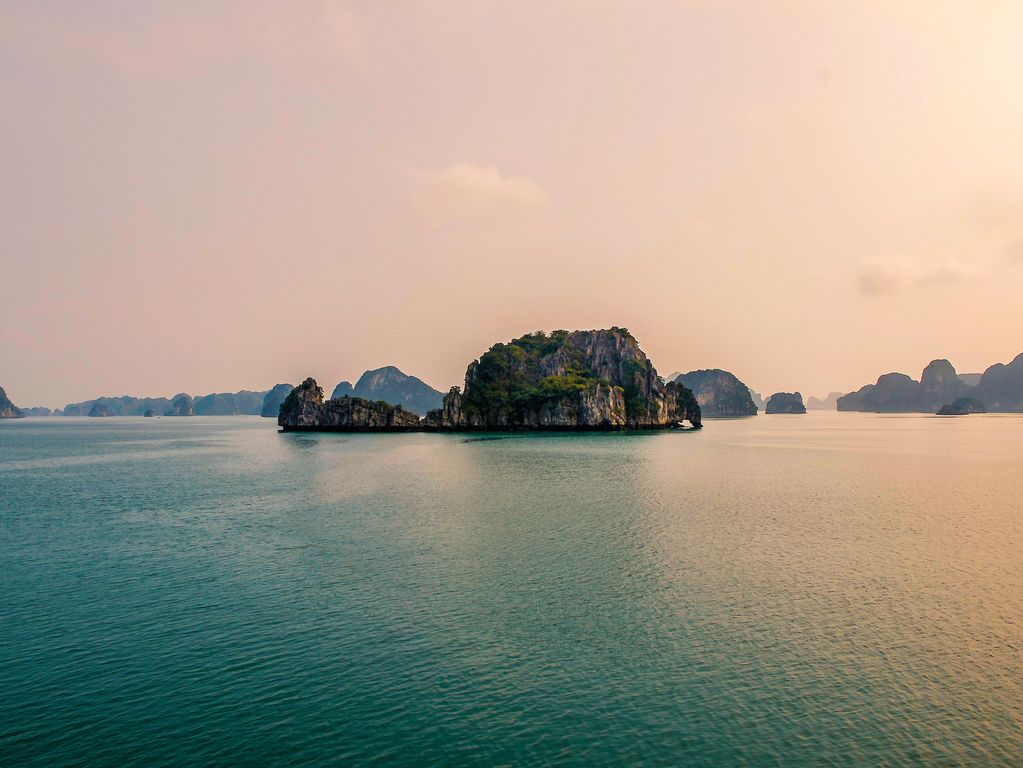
(785, 402)
(578, 380)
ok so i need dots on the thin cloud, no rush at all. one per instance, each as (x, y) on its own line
(880, 278)
(1014, 252)
(466, 187)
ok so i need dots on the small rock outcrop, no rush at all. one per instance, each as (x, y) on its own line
(719, 393)
(786, 402)
(272, 400)
(8, 410)
(304, 409)
(37, 411)
(181, 405)
(962, 406)
(579, 380)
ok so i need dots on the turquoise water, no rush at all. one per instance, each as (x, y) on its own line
(830, 589)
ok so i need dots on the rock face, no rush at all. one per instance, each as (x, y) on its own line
(719, 393)
(304, 409)
(829, 403)
(272, 400)
(898, 393)
(785, 402)
(181, 405)
(150, 413)
(579, 380)
(100, 409)
(961, 407)
(8, 410)
(1001, 387)
(970, 379)
(37, 411)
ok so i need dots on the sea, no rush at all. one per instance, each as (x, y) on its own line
(822, 590)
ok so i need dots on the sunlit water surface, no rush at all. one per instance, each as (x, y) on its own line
(828, 589)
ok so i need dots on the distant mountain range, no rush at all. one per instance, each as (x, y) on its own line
(999, 388)
(391, 385)
(243, 403)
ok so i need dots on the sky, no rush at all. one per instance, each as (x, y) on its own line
(214, 196)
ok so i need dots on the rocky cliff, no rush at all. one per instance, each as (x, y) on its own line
(304, 409)
(8, 410)
(719, 393)
(37, 411)
(181, 405)
(597, 379)
(271, 406)
(785, 402)
(579, 380)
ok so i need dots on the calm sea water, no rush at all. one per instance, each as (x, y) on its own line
(830, 589)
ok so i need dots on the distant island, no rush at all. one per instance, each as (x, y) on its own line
(999, 389)
(829, 403)
(395, 387)
(719, 393)
(785, 402)
(585, 380)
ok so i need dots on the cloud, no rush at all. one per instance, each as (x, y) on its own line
(463, 187)
(879, 278)
(476, 193)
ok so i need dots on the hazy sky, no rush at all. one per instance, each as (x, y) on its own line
(210, 196)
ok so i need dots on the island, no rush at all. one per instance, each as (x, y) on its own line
(785, 402)
(392, 385)
(999, 388)
(271, 407)
(181, 405)
(578, 380)
(719, 393)
(962, 406)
